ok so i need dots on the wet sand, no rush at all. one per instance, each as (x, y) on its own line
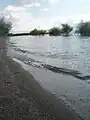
(22, 98)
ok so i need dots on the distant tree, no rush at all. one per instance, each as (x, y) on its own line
(55, 31)
(5, 26)
(38, 32)
(66, 29)
(33, 32)
(83, 28)
(41, 32)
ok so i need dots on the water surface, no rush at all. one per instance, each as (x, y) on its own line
(57, 63)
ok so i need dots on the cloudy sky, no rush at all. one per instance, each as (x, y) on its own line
(28, 14)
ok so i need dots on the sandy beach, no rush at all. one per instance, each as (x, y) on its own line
(21, 96)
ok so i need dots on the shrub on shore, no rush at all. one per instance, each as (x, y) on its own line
(38, 32)
(55, 31)
(83, 28)
(66, 29)
(5, 26)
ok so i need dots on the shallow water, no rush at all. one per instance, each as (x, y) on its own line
(57, 63)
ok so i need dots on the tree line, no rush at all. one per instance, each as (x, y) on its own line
(83, 29)
(55, 31)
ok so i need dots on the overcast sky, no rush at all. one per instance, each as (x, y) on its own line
(29, 14)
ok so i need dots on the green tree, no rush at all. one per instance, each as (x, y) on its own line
(33, 32)
(5, 26)
(55, 31)
(66, 29)
(38, 32)
(83, 28)
(41, 32)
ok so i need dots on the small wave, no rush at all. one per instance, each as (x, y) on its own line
(46, 54)
(23, 51)
(51, 55)
(71, 72)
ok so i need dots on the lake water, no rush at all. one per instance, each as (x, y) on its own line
(60, 64)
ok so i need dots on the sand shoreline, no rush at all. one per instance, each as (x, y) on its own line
(22, 98)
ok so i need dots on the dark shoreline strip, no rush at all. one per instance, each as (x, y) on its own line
(18, 34)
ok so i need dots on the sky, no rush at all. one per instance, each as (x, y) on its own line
(29, 14)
